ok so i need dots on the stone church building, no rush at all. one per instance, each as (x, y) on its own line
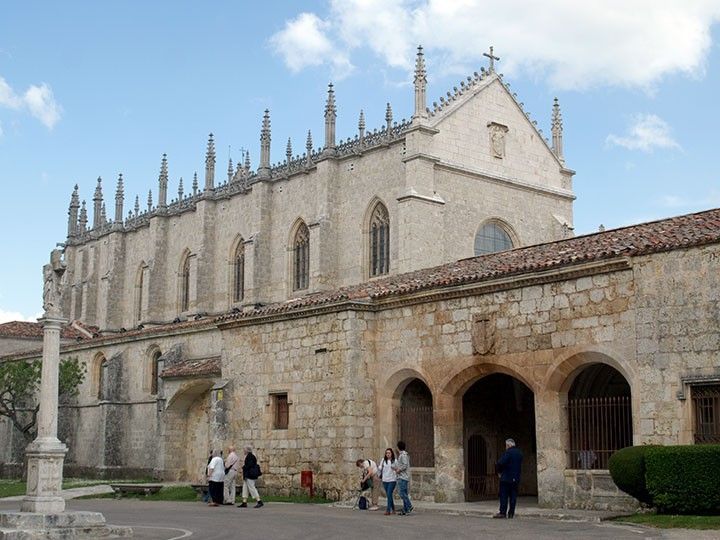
(420, 281)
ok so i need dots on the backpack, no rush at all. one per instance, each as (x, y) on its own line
(362, 503)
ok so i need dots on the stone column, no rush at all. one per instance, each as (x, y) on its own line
(45, 455)
(449, 456)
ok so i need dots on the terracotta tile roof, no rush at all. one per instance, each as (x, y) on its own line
(193, 368)
(643, 239)
(34, 330)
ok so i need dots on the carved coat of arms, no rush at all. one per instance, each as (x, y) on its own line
(483, 333)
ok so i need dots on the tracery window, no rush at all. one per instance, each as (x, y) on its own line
(379, 241)
(239, 272)
(185, 285)
(155, 370)
(490, 238)
(301, 258)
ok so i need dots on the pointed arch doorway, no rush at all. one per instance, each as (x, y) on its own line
(497, 407)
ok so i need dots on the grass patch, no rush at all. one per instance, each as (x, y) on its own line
(188, 494)
(673, 522)
(11, 488)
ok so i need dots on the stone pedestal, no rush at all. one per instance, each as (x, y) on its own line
(75, 525)
(44, 477)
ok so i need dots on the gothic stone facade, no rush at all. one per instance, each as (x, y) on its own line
(439, 179)
(317, 382)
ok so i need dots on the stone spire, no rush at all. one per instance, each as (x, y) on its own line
(330, 117)
(230, 169)
(210, 164)
(181, 191)
(163, 183)
(119, 199)
(73, 213)
(103, 215)
(557, 131)
(308, 149)
(137, 205)
(247, 161)
(388, 120)
(288, 152)
(420, 86)
(83, 218)
(264, 168)
(149, 202)
(195, 184)
(361, 125)
(97, 204)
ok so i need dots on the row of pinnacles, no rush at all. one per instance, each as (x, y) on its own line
(241, 177)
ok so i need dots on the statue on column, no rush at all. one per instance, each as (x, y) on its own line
(54, 277)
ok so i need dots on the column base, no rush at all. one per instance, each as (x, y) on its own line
(44, 478)
(75, 525)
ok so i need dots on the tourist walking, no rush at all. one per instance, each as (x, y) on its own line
(389, 479)
(371, 479)
(508, 467)
(402, 469)
(251, 472)
(215, 475)
(232, 463)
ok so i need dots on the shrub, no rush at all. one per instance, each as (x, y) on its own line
(627, 468)
(684, 479)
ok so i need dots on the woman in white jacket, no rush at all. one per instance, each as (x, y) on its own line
(389, 479)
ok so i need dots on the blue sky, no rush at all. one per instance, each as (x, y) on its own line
(92, 89)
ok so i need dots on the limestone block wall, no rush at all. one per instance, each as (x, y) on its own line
(322, 364)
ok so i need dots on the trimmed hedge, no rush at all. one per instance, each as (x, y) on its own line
(684, 479)
(627, 469)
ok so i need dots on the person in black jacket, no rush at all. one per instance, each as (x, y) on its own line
(251, 472)
(508, 467)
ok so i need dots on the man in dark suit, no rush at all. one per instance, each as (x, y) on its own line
(508, 467)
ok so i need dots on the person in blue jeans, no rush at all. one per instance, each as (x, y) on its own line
(508, 467)
(402, 468)
(389, 479)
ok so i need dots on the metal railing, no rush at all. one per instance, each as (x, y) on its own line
(706, 407)
(598, 427)
(415, 426)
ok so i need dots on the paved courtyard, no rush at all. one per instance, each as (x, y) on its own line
(175, 520)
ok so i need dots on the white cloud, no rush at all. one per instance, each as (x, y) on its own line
(304, 43)
(573, 45)
(709, 200)
(646, 133)
(7, 316)
(42, 105)
(39, 101)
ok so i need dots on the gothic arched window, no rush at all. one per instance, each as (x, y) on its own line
(155, 370)
(492, 237)
(301, 258)
(238, 284)
(102, 367)
(185, 285)
(379, 241)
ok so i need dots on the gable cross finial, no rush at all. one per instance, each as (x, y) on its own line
(492, 58)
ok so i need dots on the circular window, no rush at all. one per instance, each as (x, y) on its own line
(491, 238)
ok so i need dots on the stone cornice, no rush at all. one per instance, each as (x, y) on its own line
(413, 195)
(477, 173)
(420, 155)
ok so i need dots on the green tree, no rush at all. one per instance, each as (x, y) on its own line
(19, 384)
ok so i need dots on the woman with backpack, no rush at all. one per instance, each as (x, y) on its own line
(389, 479)
(251, 472)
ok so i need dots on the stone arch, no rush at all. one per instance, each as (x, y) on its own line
(596, 418)
(299, 256)
(568, 365)
(503, 225)
(376, 239)
(186, 426)
(236, 270)
(456, 384)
